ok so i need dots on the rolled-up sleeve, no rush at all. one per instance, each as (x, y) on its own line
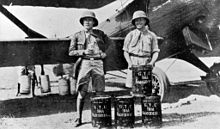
(73, 47)
(155, 47)
(127, 42)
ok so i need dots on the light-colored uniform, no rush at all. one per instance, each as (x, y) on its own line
(140, 46)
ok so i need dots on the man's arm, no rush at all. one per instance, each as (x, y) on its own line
(154, 58)
(128, 59)
(126, 49)
(155, 50)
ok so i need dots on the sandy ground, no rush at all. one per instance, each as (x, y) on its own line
(189, 105)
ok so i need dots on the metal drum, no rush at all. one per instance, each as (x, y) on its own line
(101, 111)
(151, 110)
(25, 81)
(124, 111)
(142, 80)
(64, 88)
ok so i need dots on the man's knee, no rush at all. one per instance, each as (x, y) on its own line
(81, 94)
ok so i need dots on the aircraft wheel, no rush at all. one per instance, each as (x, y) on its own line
(161, 82)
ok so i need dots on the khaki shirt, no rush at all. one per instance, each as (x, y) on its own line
(91, 44)
(141, 43)
(78, 42)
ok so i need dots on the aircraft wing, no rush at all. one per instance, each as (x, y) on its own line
(34, 51)
(52, 51)
(91, 4)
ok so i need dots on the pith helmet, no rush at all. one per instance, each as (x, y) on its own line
(88, 14)
(139, 14)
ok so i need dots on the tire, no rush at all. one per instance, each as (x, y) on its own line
(159, 79)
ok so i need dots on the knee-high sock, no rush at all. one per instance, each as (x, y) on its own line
(80, 104)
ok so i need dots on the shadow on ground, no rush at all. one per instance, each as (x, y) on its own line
(45, 105)
(184, 89)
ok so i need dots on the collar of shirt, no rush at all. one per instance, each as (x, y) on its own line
(88, 31)
(144, 31)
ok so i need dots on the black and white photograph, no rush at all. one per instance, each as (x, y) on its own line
(109, 64)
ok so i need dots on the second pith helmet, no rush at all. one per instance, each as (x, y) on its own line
(139, 14)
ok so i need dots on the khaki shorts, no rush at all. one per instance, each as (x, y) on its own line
(91, 69)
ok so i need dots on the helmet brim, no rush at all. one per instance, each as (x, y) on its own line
(147, 20)
(95, 21)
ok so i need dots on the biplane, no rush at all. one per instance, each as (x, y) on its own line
(186, 30)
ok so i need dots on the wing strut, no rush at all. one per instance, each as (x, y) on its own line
(191, 58)
(21, 25)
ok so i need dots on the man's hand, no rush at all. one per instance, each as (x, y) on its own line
(150, 64)
(130, 65)
(88, 51)
(103, 55)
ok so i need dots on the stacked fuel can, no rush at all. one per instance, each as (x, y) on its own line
(101, 111)
(151, 111)
(124, 109)
(142, 88)
(142, 80)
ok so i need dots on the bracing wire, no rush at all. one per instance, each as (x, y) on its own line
(170, 65)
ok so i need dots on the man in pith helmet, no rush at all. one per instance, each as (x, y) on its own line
(140, 45)
(90, 46)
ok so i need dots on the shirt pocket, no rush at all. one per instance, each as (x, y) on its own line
(80, 44)
(147, 44)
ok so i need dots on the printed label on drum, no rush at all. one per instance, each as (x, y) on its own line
(101, 111)
(100, 115)
(150, 113)
(151, 109)
(124, 110)
(142, 77)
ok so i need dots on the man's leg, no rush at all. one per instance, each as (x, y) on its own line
(18, 92)
(33, 87)
(82, 87)
(33, 82)
(79, 106)
(98, 78)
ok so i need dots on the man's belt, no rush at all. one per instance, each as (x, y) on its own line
(92, 58)
(142, 56)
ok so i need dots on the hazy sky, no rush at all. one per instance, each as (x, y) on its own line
(49, 21)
